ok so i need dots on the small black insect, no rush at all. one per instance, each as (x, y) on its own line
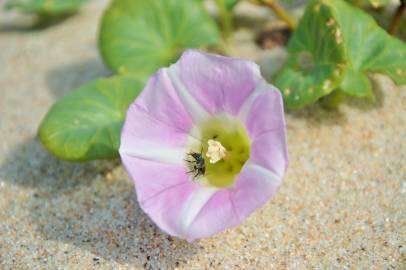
(199, 167)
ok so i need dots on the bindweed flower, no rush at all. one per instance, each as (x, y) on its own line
(205, 144)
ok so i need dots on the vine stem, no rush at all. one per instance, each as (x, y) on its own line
(280, 12)
(226, 20)
(397, 18)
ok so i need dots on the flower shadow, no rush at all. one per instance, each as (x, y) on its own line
(91, 206)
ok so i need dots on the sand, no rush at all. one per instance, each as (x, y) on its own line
(342, 204)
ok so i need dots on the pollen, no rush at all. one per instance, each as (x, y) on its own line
(215, 151)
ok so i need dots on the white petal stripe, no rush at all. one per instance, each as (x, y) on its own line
(154, 152)
(196, 110)
(194, 205)
(246, 107)
(264, 172)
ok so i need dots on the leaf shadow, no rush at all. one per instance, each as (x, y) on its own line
(68, 77)
(378, 89)
(317, 115)
(92, 206)
(27, 23)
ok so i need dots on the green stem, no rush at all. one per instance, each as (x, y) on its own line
(279, 11)
(397, 18)
(226, 20)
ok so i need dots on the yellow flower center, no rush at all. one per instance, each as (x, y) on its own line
(222, 151)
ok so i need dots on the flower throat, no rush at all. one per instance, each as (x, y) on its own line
(223, 151)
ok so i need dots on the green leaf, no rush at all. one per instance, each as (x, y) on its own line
(335, 46)
(230, 4)
(368, 47)
(139, 36)
(372, 3)
(54, 7)
(356, 84)
(86, 123)
(314, 67)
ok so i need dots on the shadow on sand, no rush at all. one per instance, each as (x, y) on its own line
(92, 206)
(69, 77)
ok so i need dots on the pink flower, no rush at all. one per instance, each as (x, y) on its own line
(205, 144)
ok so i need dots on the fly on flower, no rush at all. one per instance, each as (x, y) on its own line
(199, 166)
(217, 118)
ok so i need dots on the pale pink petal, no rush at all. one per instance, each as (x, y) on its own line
(165, 208)
(269, 151)
(219, 83)
(175, 208)
(153, 177)
(160, 101)
(228, 207)
(254, 186)
(148, 138)
(157, 125)
(263, 112)
(217, 215)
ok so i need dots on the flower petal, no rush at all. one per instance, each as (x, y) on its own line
(152, 178)
(228, 207)
(254, 186)
(157, 123)
(174, 209)
(159, 99)
(269, 151)
(158, 141)
(263, 111)
(217, 215)
(219, 84)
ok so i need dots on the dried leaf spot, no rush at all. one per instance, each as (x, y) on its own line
(287, 92)
(330, 22)
(317, 8)
(339, 37)
(337, 72)
(376, 3)
(326, 86)
(399, 72)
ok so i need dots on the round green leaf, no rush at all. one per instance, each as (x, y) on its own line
(139, 36)
(86, 123)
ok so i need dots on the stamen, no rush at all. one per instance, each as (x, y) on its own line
(216, 151)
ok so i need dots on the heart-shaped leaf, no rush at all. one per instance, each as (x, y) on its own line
(139, 36)
(54, 7)
(335, 46)
(368, 47)
(316, 60)
(86, 123)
